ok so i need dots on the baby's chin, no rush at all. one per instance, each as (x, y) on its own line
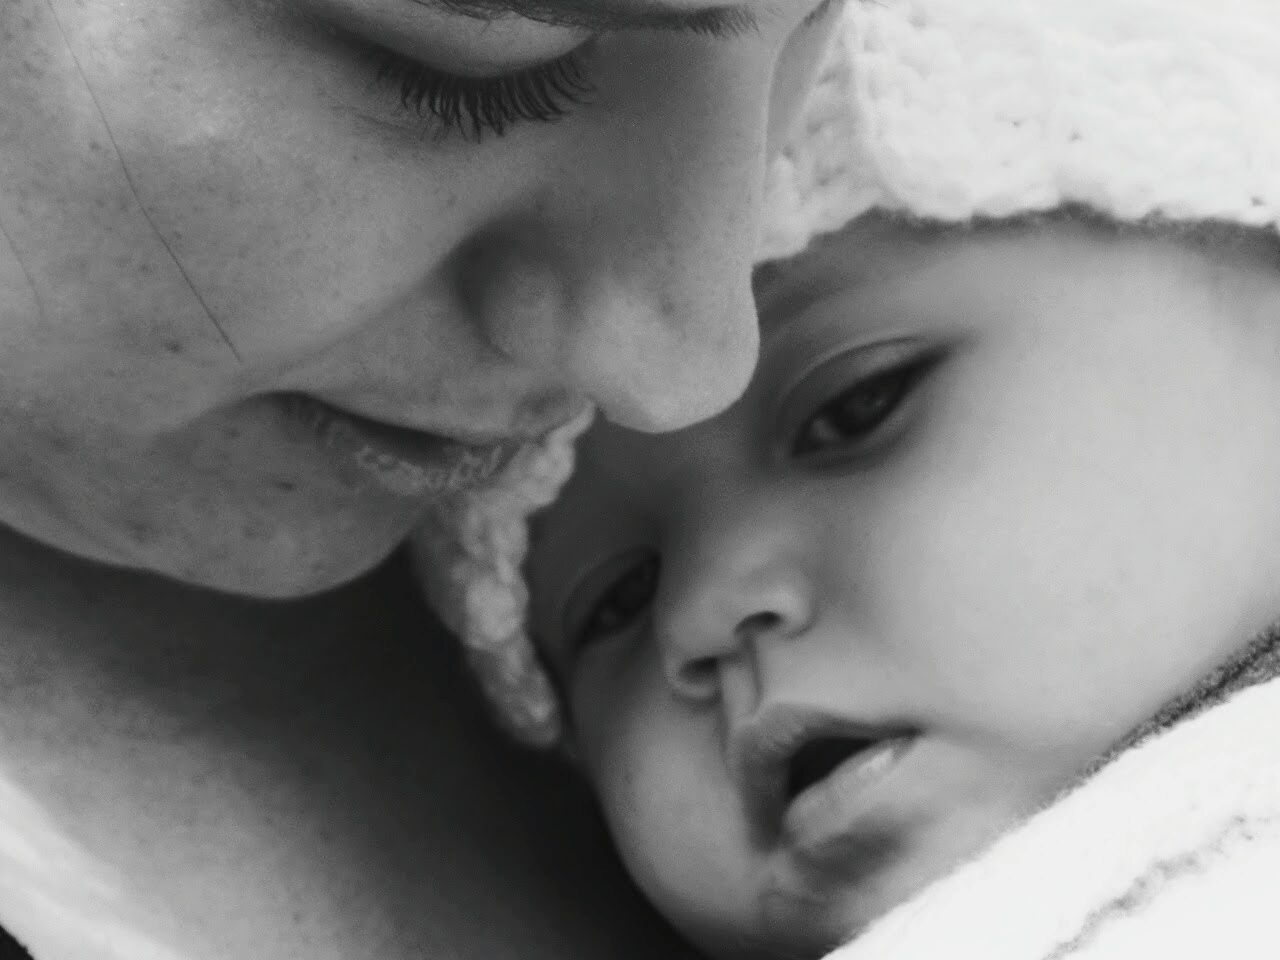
(792, 924)
(809, 939)
(806, 914)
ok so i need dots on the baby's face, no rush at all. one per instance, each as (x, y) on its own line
(988, 502)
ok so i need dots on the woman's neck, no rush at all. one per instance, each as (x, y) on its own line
(159, 738)
(275, 780)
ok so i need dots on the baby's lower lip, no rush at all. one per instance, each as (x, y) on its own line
(819, 819)
(396, 460)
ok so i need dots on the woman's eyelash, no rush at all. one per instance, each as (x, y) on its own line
(473, 106)
(819, 12)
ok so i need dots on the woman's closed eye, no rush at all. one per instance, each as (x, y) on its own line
(473, 106)
(614, 599)
(460, 72)
(853, 404)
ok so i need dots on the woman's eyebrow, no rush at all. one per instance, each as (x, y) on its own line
(720, 20)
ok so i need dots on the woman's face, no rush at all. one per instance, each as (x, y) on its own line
(273, 272)
(988, 502)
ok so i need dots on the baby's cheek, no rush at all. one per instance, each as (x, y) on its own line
(659, 773)
(998, 617)
(1040, 638)
(641, 748)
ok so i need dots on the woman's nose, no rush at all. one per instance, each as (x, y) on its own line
(629, 277)
(656, 347)
(735, 596)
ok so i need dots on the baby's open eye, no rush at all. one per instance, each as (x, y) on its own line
(624, 600)
(856, 415)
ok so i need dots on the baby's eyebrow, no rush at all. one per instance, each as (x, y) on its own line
(718, 20)
(788, 291)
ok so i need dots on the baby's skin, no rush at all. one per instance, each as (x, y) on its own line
(992, 497)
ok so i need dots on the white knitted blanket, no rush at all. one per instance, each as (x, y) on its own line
(1171, 851)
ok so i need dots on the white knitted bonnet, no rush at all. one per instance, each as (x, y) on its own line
(945, 110)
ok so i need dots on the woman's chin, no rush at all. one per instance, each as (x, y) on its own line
(280, 570)
(252, 555)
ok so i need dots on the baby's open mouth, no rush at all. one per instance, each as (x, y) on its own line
(803, 774)
(817, 758)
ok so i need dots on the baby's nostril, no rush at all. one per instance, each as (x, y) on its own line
(760, 622)
(698, 676)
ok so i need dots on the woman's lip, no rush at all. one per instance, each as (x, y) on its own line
(820, 817)
(404, 462)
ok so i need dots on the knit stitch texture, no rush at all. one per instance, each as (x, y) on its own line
(951, 109)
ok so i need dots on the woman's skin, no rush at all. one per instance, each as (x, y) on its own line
(253, 311)
(229, 779)
(210, 207)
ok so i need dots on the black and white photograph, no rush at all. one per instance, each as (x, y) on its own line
(635, 479)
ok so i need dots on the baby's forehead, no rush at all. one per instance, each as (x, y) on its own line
(874, 247)
(880, 246)
(878, 252)
(874, 252)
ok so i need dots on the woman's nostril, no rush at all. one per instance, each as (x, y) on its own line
(514, 288)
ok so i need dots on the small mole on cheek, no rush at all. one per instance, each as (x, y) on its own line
(140, 531)
(255, 529)
(319, 569)
(60, 441)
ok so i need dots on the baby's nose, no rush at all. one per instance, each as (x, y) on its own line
(736, 584)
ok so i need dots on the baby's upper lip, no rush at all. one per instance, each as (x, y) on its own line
(762, 750)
